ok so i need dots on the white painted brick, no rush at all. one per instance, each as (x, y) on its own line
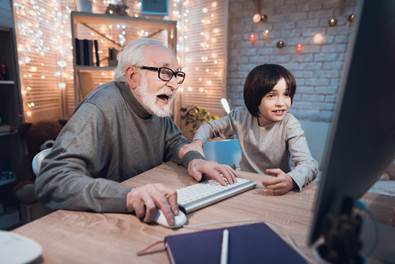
(311, 65)
(317, 81)
(308, 23)
(326, 89)
(313, 97)
(330, 98)
(317, 70)
(326, 57)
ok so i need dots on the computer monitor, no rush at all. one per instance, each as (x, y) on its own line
(361, 142)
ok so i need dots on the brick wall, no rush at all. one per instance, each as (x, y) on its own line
(317, 70)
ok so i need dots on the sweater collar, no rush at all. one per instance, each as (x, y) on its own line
(132, 101)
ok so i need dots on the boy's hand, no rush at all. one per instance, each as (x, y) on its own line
(280, 184)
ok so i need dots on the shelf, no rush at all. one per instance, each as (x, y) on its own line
(6, 177)
(3, 134)
(93, 68)
(11, 131)
(100, 19)
(6, 82)
(5, 29)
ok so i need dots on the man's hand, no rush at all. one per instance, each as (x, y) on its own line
(280, 184)
(145, 200)
(196, 145)
(223, 174)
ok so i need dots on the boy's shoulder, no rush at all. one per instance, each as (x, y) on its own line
(240, 112)
(292, 124)
(290, 118)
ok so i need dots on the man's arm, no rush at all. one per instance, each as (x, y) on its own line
(198, 167)
(81, 152)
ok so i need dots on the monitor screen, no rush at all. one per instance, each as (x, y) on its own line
(154, 7)
(361, 142)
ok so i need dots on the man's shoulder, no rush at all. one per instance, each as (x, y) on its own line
(104, 96)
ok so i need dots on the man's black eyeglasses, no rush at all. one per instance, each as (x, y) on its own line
(165, 74)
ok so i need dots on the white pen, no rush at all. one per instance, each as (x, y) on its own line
(224, 247)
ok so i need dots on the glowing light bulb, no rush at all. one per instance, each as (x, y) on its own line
(256, 18)
(299, 48)
(252, 38)
(266, 34)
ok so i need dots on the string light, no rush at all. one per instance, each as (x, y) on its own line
(332, 22)
(266, 34)
(299, 48)
(201, 57)
(280, 44)
(351, 18)
(318, 38)
(42, 27)
(252, 38)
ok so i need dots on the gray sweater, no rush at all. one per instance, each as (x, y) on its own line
(109, 139)
(274, 146)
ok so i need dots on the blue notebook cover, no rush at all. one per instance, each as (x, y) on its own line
(253, 243)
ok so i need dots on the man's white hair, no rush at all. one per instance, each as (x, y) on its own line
(133, 54)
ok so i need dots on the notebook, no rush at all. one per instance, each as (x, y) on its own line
(252, 243)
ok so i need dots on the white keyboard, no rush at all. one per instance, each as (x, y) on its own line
(196, 196)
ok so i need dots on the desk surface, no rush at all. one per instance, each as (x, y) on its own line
(83, 237)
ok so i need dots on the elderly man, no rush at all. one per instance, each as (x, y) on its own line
(122, 129)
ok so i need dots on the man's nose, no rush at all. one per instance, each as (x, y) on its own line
(173, 84)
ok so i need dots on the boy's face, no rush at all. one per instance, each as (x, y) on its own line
(275, 104)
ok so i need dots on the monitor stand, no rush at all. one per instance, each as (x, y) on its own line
(351, 235)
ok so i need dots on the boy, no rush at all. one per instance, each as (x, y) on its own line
(269, 136)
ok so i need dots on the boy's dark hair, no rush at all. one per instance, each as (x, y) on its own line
(261, 80)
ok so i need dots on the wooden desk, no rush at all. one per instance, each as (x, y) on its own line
(82, 237)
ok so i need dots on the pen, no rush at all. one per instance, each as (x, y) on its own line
(224, 247)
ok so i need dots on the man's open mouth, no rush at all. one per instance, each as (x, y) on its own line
(164, 97)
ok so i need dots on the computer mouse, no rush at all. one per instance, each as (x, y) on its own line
(179, 220)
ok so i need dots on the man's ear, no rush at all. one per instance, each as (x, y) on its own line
(132, 77)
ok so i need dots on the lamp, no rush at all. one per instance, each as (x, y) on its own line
(225, 105)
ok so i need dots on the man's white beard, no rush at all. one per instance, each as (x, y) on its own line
(149, 100)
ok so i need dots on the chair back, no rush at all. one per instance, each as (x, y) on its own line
(225, 151)
(36, 162)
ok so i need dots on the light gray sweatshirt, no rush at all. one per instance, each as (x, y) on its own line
(273, 146)
(109, 139)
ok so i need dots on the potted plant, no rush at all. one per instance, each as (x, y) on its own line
(192, 117)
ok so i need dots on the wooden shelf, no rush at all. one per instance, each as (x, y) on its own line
(3, 134)
(137, 22)
(93, 68)
(83, 24)
(6, 82)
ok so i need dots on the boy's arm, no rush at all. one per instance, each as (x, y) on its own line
(305, 166)
(217, 128)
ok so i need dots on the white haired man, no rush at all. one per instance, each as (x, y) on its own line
(122, 129)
